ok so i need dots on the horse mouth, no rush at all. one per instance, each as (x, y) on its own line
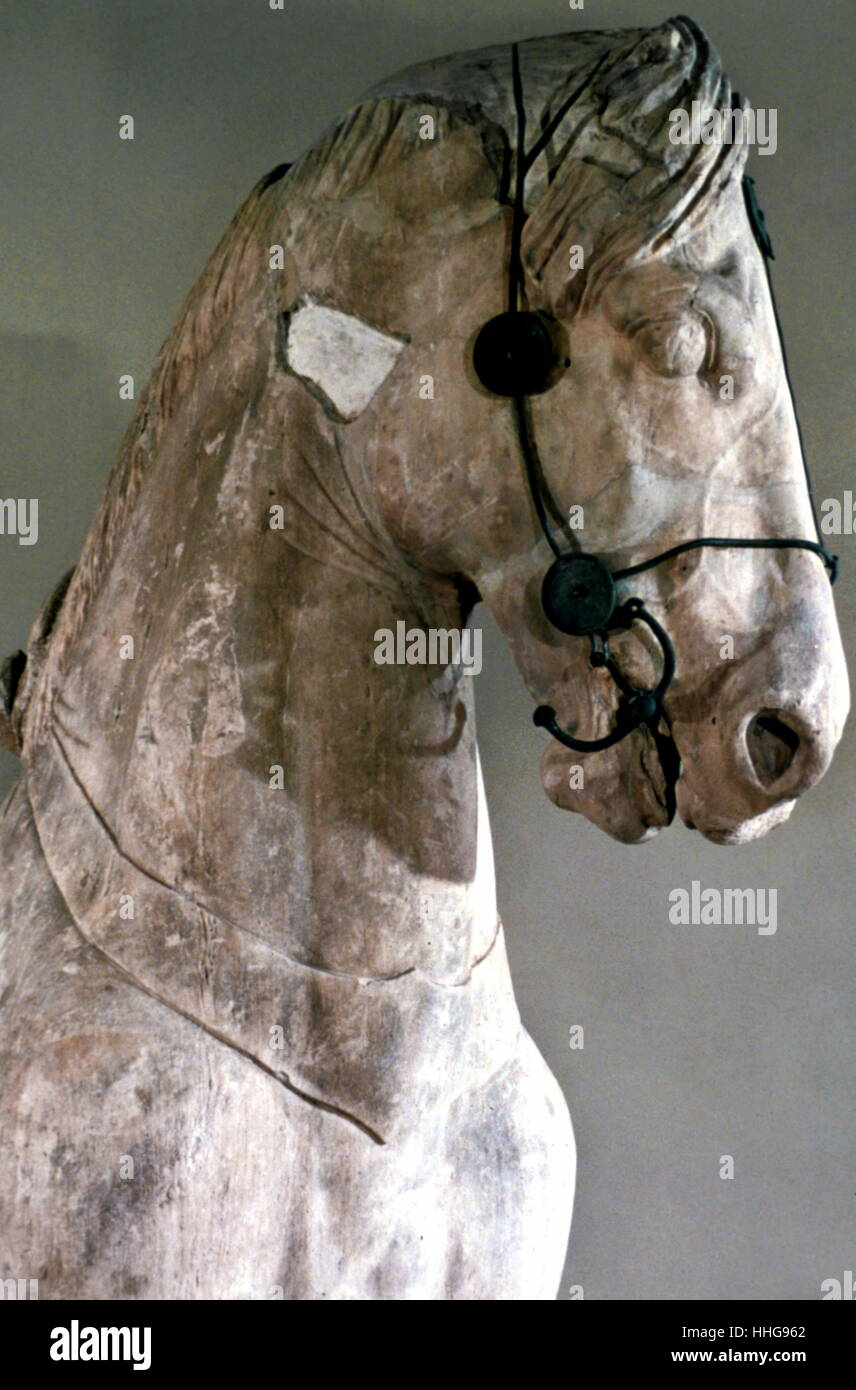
(629, 791)
(661, 764)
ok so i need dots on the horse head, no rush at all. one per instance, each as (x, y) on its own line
(661, 414)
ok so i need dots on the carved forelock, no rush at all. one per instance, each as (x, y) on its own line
(609, 180)
(617, 185)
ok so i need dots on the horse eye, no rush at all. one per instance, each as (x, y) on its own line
(515, 355)
(676, 346)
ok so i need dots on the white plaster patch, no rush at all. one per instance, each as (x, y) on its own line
(341, 355)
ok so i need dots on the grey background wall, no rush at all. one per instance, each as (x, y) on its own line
(699, 1041)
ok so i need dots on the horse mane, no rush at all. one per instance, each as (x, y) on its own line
(338, 163)
(229, 272)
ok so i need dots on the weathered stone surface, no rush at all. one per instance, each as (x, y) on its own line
(248, 912)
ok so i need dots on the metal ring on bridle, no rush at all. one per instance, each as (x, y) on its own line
(637, 707)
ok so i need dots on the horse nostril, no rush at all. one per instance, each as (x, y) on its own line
(772, 746)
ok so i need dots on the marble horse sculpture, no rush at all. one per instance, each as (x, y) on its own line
(258, 1033)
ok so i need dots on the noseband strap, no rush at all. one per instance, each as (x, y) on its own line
(579, 590)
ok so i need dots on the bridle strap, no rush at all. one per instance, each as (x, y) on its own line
(732, 543)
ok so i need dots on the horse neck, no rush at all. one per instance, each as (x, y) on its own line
(244, 747)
